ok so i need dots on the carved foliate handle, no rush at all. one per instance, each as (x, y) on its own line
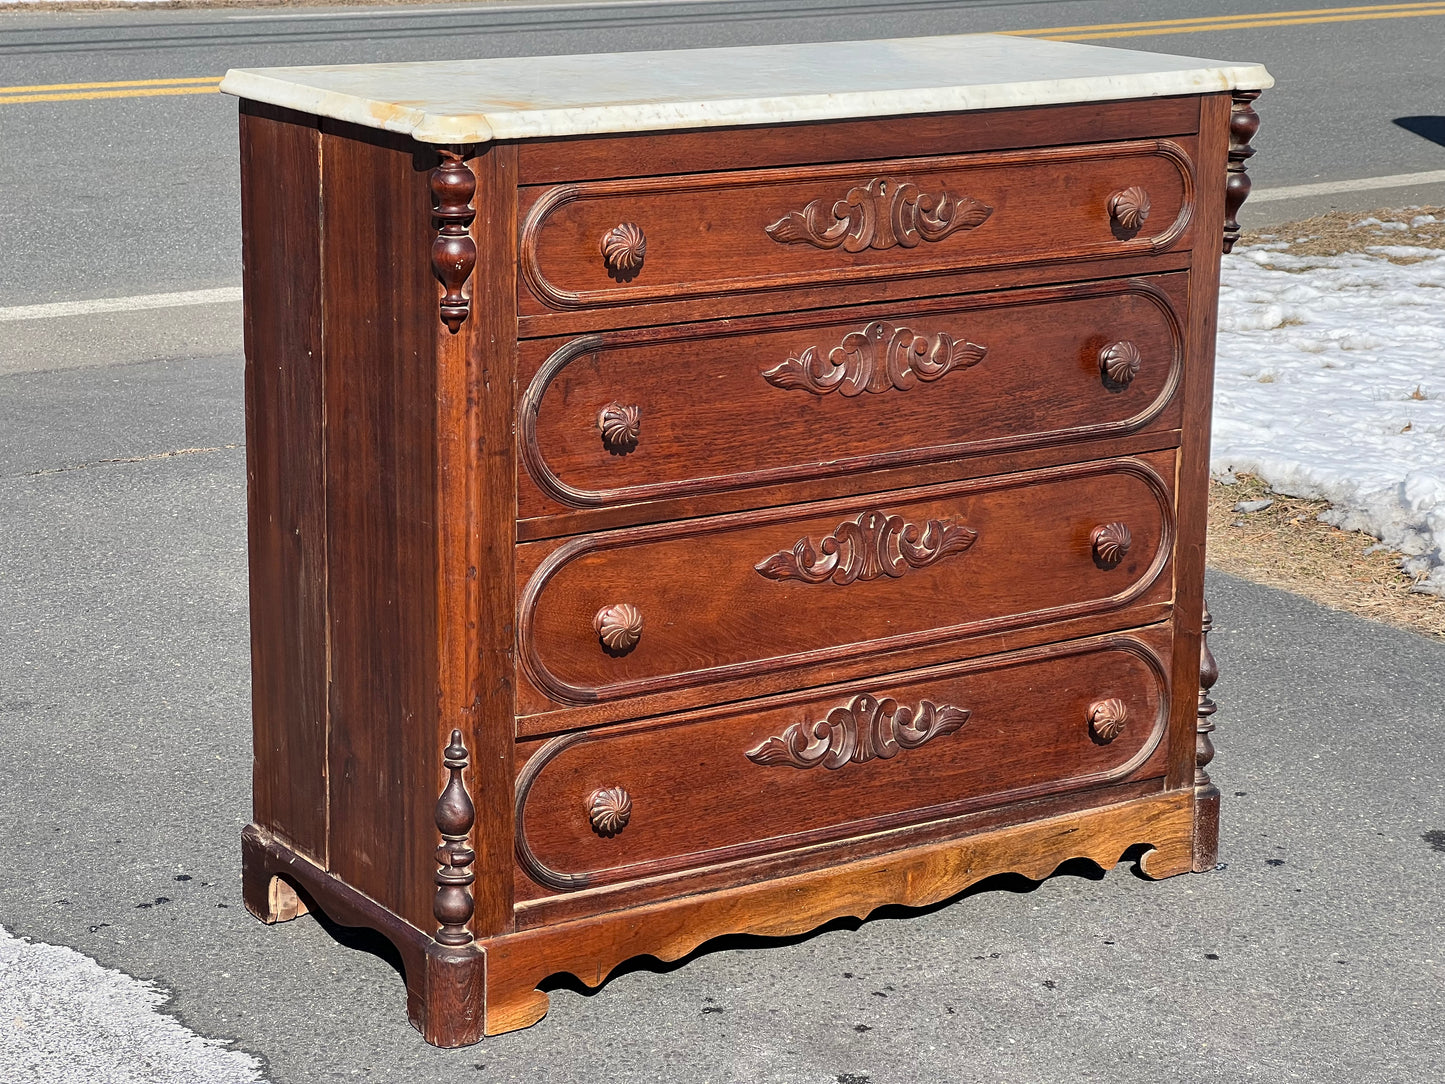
(609, 810)
(619, 626)
(623, 249)
(1111, 543)
(1129, 207)
(620, 425)
(1107, 719)
(1119, 362)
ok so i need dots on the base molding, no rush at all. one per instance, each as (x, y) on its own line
(454, 995)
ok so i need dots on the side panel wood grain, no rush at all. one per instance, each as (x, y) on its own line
(380, 362)
(1194, 452)
(285, 486)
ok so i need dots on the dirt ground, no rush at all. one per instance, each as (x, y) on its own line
(1285, 545)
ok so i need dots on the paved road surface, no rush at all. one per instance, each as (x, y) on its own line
(1316, 955)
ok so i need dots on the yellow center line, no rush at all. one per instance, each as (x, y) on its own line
(106, 86)
(152, 88)
(1188, 25)
(1256, 23)
(153, 92)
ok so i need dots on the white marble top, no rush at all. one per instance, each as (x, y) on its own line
(474, 101)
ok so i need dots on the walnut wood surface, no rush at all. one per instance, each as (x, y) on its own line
(712, 615)
(699, 796)
(475, 510)
(892, 638)
(286, 507)
(379, 329)
(716, 233)
(710, 408)
(590, 949)
(1198, 393)
(608, 156)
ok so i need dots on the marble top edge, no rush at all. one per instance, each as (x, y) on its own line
(476, 101)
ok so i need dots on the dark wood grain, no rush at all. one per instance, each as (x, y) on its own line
(1198, 393)
(719, 233)
(380, 348)
(711, 615)
(703, 791)
(608, 156)
(475, 514)
(707, 404)
(285, 483)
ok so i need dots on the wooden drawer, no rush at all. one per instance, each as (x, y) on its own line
(623, 417)
(618, 804)
(662, 607)
(623, 242)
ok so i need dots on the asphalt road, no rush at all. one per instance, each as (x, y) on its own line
(1315, 955)
(109, 197)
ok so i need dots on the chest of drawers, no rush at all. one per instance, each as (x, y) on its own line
(718, 492)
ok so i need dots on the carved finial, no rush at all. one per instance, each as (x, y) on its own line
(1206, 794)
(1208, 675)
(454, 817)
(453, 252)
(1243, 123)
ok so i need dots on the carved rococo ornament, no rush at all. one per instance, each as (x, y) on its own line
(872, 545)
(881, 214)
(878, 358)
(864, 729)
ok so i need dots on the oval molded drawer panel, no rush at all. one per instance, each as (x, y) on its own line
(630, 416)
(655, 239)
(616, 804)
(647, 609)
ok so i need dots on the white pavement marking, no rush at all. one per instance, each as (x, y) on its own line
(64, 1017)
(1362, 184)
(121, 304)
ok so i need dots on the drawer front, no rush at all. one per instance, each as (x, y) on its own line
(649, 609)
(624, 242)
(632, 416)
(618, 804)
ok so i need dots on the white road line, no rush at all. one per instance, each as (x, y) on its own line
(121, 304)
(468, 9)
(1363, 184)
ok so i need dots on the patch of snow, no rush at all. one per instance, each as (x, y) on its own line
(1322, 389)
(64, 1017)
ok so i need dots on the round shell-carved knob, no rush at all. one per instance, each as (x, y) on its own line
(1129, 207)
(609, 810)
(621, 426)
(623, 248)
(1119, 362)
(1107, 719)
(619, 626)
(1111, 543)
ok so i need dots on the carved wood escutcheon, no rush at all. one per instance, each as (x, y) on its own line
(881, 214)
(871, 545)
(864, 729)
(879, 358)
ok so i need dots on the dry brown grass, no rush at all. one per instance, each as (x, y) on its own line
(1286, 546)
(1337, 232)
